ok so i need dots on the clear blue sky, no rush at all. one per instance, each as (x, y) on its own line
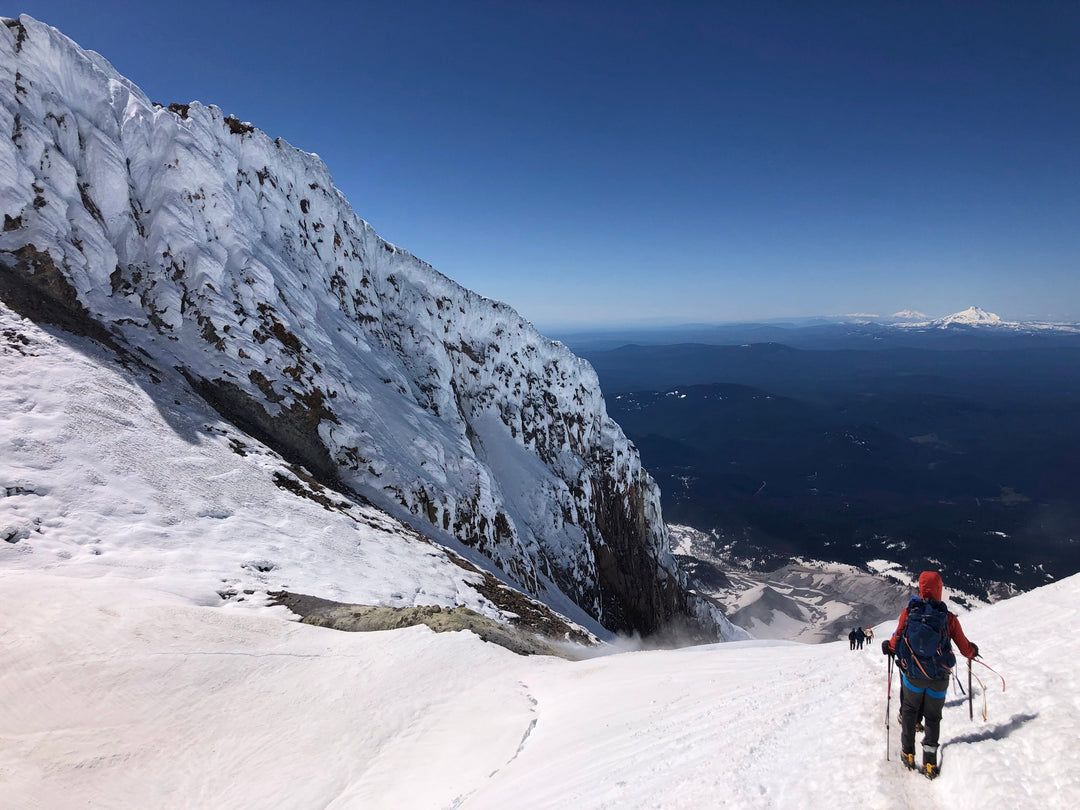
(612, 162)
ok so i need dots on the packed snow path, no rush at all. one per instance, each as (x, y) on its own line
(117, 695)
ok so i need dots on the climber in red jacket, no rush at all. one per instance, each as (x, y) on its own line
(922, 645)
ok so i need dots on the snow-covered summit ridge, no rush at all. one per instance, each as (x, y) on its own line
(207, 246)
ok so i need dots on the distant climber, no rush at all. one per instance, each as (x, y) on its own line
(851, 638)
(923, 649)
(860, 637)
(869, 634)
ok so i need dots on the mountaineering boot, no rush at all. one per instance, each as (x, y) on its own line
(929, 759)
(908, 760)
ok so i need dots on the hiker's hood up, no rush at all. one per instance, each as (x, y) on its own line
(930, 585)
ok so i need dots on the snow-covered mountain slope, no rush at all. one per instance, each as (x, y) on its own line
(105, 472)
(809, 601)
(124, 696)
(972, 316)
(193, 241)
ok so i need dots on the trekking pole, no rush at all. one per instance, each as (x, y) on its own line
(888, 707)
(971, 706)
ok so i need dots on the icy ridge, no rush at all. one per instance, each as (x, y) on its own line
(220, 251)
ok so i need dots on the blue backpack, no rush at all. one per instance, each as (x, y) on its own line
(925, 650)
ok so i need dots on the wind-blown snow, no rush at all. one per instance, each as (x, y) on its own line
(119, 695)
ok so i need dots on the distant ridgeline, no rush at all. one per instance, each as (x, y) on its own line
(961, 454)
(188, 239)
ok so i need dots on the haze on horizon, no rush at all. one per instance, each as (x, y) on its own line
(595, 166)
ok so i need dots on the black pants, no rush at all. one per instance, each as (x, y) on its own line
(925, 699)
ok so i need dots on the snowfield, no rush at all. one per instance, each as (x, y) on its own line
(102, 476)
(118, 694)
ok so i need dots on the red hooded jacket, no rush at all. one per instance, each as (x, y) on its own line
(930, 588)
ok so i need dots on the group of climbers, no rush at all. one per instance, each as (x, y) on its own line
(858, 637)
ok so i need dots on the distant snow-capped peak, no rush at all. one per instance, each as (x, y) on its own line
(909, 315)
(972, 316)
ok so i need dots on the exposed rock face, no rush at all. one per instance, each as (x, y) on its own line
(201, 243)
(520, 638)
